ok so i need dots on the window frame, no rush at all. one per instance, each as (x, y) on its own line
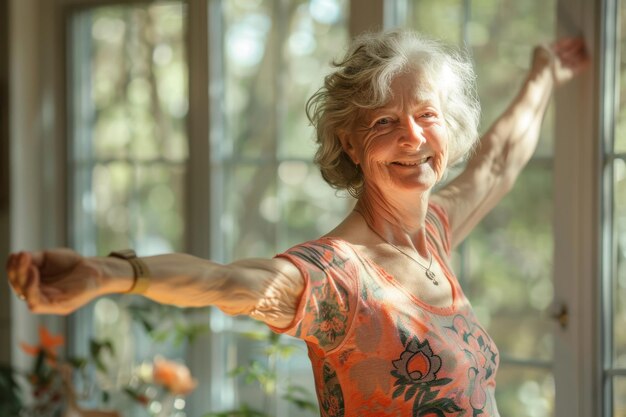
(577, 248)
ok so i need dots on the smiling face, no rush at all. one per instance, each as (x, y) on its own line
(402, 145)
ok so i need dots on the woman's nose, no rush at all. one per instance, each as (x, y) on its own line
(413, 133)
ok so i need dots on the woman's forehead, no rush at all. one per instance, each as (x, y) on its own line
(413, 86)
(407, 90)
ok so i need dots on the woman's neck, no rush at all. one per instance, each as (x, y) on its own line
(396, 219)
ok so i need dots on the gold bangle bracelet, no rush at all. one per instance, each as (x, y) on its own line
(141, 273)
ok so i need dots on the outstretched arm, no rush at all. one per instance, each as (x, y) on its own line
(60, 281)
(511, 141)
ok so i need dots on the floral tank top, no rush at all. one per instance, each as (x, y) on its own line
(378, 350)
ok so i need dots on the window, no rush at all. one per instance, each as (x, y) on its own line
(127, 165)
(562, 219)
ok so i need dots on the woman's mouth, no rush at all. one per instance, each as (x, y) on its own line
(410, 163)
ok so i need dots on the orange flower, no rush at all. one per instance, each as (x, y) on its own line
(47, 343)
(173, 376)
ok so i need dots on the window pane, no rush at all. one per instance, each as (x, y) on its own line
(313, 32)
(112, 189)
(620, 122)
(129, 106)
(251, 212)
(619, 283)
(440, 19)
(137, 81)
(510, 263)
(128, 90)
(525, 391)
(501, 34)
(310, 207)
(274, 58)
(159, 191)
(251, 57)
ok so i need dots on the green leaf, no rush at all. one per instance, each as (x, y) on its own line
(445, 404)
(160, 336)
(40, 362)
(410, 392)
(96, 348)
(136, 395)
(77, 362)
(10, 392)
(257, 336)
(404, 333)
(301, 403)
(398, 392)
(108, 345)
(193, 331)
(439, 382)
(147, 326)
(430, 395)
(237, 371)
(301, 398)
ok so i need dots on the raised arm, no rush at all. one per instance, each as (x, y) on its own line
(511, 141)
(60, 281)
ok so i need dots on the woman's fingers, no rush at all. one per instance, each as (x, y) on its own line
(24, 265)
(32, 291)
(33, 275)
(571, 48)
(17, 267)
(11, 270)
(568, 58)
(24, 276)
(567, 43)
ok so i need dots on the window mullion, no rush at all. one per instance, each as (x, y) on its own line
(609, 74)
(198, 184)
(200, 178)
(366, 15)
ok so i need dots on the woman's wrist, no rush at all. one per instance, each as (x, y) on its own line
(538, 87)
(116, 275)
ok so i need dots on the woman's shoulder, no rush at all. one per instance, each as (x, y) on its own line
(326, 252)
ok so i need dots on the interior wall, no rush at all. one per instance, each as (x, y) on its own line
(5, 305)
(25, 157)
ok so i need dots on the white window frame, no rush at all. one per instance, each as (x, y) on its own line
(37, 175)
(577, 213)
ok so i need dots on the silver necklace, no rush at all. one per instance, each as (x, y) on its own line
(429, 274)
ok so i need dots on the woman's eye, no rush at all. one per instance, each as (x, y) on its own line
(428, 115)
(383, 121)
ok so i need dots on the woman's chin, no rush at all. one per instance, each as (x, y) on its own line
(423, 182)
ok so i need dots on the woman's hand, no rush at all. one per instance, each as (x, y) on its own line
(564, 59)
(55, 281)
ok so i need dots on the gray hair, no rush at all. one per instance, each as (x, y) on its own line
(361, 81)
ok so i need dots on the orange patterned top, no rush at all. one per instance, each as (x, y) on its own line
(378, 350)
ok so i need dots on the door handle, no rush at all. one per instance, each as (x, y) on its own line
(561, 315)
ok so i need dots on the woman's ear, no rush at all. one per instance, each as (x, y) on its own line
(346, 140)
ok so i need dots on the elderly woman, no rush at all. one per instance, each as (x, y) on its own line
(388, 328)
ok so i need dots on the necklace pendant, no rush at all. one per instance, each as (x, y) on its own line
(431, 276)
